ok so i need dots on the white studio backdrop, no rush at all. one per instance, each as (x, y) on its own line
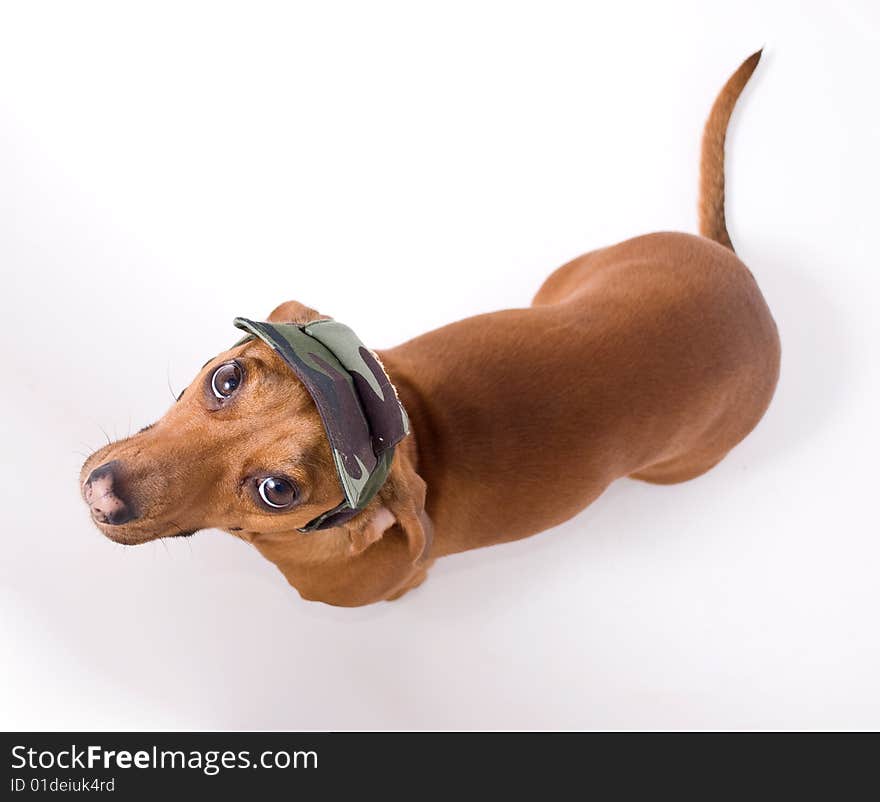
(164, 168)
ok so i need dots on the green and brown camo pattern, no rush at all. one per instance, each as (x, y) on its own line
(358, 405)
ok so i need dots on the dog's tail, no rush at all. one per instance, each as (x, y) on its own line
(711, 201)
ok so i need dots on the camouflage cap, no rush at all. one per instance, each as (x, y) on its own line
(358, 405)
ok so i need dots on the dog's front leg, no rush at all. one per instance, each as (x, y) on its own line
(417, 578)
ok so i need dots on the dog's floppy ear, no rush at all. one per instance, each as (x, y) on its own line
(400, 502)
(294, 312)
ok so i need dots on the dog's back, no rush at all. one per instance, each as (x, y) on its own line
(651, 359)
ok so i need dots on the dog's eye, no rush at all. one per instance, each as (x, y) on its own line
(226, 380)
(276, 492)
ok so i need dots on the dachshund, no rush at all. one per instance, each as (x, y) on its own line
(649, 359)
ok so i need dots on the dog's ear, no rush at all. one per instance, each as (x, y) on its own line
(400, 502)
(294, 312)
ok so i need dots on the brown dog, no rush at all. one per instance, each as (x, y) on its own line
(649, 359)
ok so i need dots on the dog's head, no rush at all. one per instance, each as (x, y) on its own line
(244, 449)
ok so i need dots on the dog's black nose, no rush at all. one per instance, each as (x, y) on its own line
(104, 495)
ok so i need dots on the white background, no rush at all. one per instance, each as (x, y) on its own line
(165, 168)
